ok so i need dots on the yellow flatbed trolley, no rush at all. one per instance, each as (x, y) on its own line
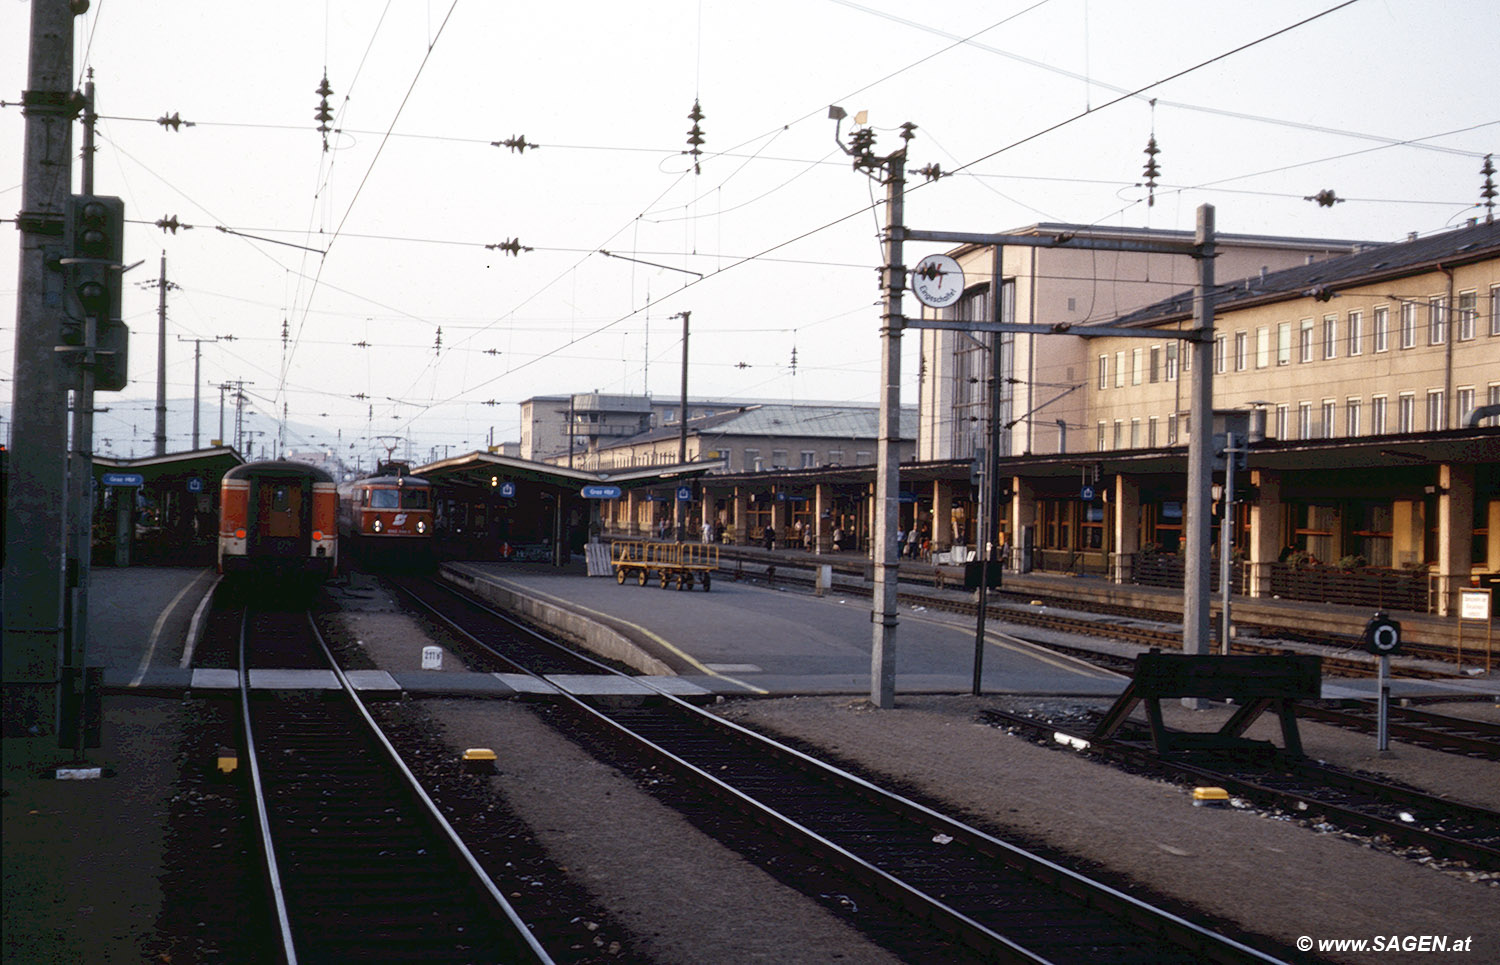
(680, 563)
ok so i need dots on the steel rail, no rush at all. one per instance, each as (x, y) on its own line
(1202, 942)
(525, 940)
(1436, 842)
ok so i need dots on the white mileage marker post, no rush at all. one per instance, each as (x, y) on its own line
(432, 658)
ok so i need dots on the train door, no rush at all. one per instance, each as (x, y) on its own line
(279, 524)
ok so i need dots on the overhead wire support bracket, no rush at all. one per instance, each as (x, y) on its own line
(638, 261)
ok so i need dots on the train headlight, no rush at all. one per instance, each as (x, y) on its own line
(421, 526)
(377, 527)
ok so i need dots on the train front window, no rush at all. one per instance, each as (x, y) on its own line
(385, 499)
(280, 500)
(414, 499)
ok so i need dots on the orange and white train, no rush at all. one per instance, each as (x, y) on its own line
(386, 518)
(278, 518)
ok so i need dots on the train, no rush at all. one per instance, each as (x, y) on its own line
(278, 519)
(386, 519)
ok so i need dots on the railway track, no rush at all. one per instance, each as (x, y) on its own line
(1445, 828)
(361, 865)
(1144, 627)
(922, 884)
(1458, 735)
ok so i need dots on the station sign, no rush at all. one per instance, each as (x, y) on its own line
(684, 494)
(1086, 494)
(195, 485)
(508, 490)
(601, 492)
(124, 479)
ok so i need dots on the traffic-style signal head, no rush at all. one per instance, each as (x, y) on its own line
(94, 232)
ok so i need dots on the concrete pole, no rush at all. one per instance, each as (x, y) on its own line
(161, 360)
(81, 494)
(1197, 579)
(677, 518)
(36, 521)
(888, 454)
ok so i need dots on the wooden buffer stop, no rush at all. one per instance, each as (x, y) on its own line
(1256, 683)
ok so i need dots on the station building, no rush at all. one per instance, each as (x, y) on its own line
(1364, 374)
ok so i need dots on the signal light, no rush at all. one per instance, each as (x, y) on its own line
(94, 229)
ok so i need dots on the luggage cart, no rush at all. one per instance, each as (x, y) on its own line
(680, 563)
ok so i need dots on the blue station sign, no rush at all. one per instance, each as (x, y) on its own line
(601, 492)
(124, 479)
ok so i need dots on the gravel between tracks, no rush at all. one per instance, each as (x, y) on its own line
(686, 899)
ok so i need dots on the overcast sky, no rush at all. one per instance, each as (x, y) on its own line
(367, 250)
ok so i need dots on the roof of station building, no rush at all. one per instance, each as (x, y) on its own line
(1322, 279)
(789, 420)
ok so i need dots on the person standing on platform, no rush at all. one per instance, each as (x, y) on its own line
(770, 537)
(708, 530)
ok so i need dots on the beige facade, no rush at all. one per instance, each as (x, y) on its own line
(1043, 404)
(1392, 356)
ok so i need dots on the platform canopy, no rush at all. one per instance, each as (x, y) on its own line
(485, 469)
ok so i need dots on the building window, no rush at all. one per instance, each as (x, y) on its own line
(1468, 310)
(862, 457)
(1284, 343)
(1135, 433)
(1262, 347)
(778, 459)
(1329, 409)
(1408, 324)
(1356, 333)
(1465, 399)
(752, 461)
(668, 416)
(1494, 399)
(1437, 412)
(1099, 443)
(1221, 353)
(1241, 351)
(1119, 442)
(1151, 432)
(1330, 337)
(1155, 374)
(1406, 412)
(1172, 351)
(1172, 429)
(1351, 418)
(1281, 421)
(1377, 415)
(1495, 310)
(1305, 341)
(1437, 320)
(1136, 366)
(1382, 329)
(809, 459)
(1304, 420)
(1119, 370)
(1104, 371)
(835, 457)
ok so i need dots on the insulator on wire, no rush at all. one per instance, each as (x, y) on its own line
(1487, 192)
(1152, 169)
(695, 135)
(324, 114)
